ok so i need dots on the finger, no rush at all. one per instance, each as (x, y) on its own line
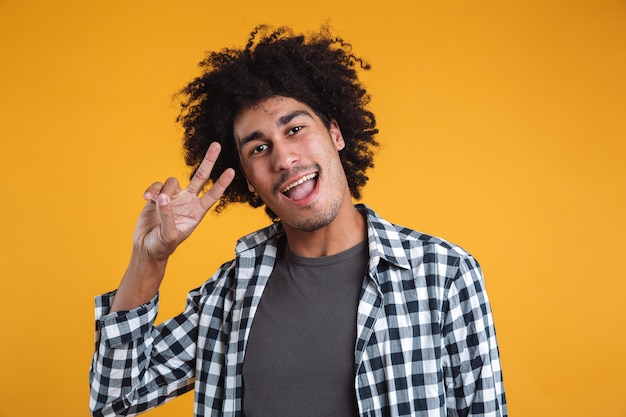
(203, 172)
(152, 191)
(171, 187)
(214, 194)
(167, 232)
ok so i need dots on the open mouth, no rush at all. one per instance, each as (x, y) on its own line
(300, 189)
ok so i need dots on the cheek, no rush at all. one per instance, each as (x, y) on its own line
(257, 178)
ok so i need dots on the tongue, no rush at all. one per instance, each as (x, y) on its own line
(300, 191)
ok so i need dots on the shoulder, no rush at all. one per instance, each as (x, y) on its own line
(254, 254)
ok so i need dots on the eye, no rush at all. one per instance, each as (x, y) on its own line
(295, 130)
(258, 149)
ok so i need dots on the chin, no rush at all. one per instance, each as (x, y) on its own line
(315, 220)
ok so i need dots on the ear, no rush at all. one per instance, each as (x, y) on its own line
(250, 186)
(335, 135)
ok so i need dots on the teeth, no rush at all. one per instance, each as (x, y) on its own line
(300, 181)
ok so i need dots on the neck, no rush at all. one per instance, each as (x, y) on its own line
(347, 230)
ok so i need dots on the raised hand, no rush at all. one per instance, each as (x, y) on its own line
(171, 214)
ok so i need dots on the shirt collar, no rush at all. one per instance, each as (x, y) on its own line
(254, 239)
(383, 239)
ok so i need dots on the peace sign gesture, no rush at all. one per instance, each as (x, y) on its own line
(169, 217)
(172, 213)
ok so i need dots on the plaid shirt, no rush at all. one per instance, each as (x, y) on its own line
(426, 344)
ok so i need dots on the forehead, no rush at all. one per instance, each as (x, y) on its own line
(265, 114)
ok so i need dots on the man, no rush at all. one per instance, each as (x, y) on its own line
(330, 311)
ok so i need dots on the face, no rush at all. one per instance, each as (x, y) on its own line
(291, 160)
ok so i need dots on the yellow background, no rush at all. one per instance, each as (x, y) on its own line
(503, 129)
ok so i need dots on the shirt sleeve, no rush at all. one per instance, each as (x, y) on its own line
(472, 371)
(137, 365)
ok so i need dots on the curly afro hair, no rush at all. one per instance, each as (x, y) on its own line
(319, 70)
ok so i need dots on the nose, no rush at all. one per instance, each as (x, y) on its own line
(284, 155)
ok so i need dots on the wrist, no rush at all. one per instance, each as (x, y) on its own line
(142, 260)
(140, 283)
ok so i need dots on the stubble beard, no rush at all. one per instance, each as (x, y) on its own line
(317, 220)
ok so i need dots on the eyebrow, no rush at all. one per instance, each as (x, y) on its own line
(282, 121)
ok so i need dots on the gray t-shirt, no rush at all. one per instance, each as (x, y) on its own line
(300, 355)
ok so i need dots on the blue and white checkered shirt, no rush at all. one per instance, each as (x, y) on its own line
(425, 338)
